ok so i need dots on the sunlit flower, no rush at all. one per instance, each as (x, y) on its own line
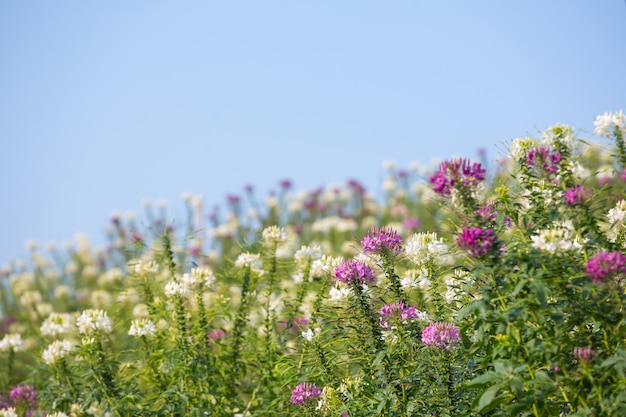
(457, 173)
(477, 241)
(424, 248)
(273, 235)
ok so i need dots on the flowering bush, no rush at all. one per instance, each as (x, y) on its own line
(464, 294)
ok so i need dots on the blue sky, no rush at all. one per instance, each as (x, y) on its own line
(105, 104)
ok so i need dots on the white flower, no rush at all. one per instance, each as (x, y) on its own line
(606, 123)
(92, 321)
(308, 335)
(252, 261)
(57, 324)
(8, 412)
(142, 327)
(173, 288)
(308, 253)
(519, 148)
(58, 414)
(339, 293)
(423, 248)
(57, 350)
(558, 239)
(273, 235)
(325, 265)
(12, 342)
(617, 214)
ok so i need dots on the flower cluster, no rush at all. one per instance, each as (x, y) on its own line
(441, 335)
(477, 241)
(607, 123)
(354, 271)
(142, 327)
(56, 351)
(424, 248)
(92, 321)
(12, 342)
(584, 354)
(57, 324)
(381, 241)
(304, 393)
(577, 195)
(606, 265)
(401, 311)
(457, 173)
(545, 158)
(252, 261)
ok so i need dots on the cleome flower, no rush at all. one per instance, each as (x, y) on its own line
(424, 248)
(477, 241)
(250, 260)
(93, 321)
(56, 351)
(607, 123)
(354, 271)
(457, 173)
(441, 335)
(57, 324)
(305, 393)
(142, 327)
(382, 241)
(12, 342)
(606, 265)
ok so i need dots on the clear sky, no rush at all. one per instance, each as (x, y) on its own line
(105, 104)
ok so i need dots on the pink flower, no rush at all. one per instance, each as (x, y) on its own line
(546, 158)
(350, 271)
(476, 240)
(456, 173)
(382, 240)
(584, 354)
(441, 335)
(399, 310)
(605, 265)
(305, 392)
(577, 195)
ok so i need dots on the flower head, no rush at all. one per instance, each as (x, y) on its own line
(441, 335)
(142, 327)
(382, 240)
(577, 195)
(606, 124)
(584, 354)
(56, 351)
(12, 342)
(605, 265)
(23, 395)
(402, 312)
(57, 324)
(250, 260)
(423, 248)
(545, 158)
(273, 235)
(92, 321)
(305, 393)
(457, 173)
(476, 240)
(352, 270)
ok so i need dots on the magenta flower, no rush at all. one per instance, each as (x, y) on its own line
(577, 195)
(399, 310)
(382, 240)
(350, 271)
(23, 395)
(605, 265)
(304, 393)
(546, 158)
(476, 240)
(217, 334)
(584, 354)
(441, 335)
(456, 173)
(623, 175)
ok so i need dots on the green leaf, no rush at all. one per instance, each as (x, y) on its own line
(485, 379)
(488, 397)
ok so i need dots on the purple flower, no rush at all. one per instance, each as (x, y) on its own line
(23, 395)
(399, 310)
(441, 335)
(382, 240)
(456, 173)
(304, 393)
(623, 175)
(476, 240)
(546, 158)
(411, 223)
(350, 271)
(584, 354)
(606, 264)
(576, 195)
